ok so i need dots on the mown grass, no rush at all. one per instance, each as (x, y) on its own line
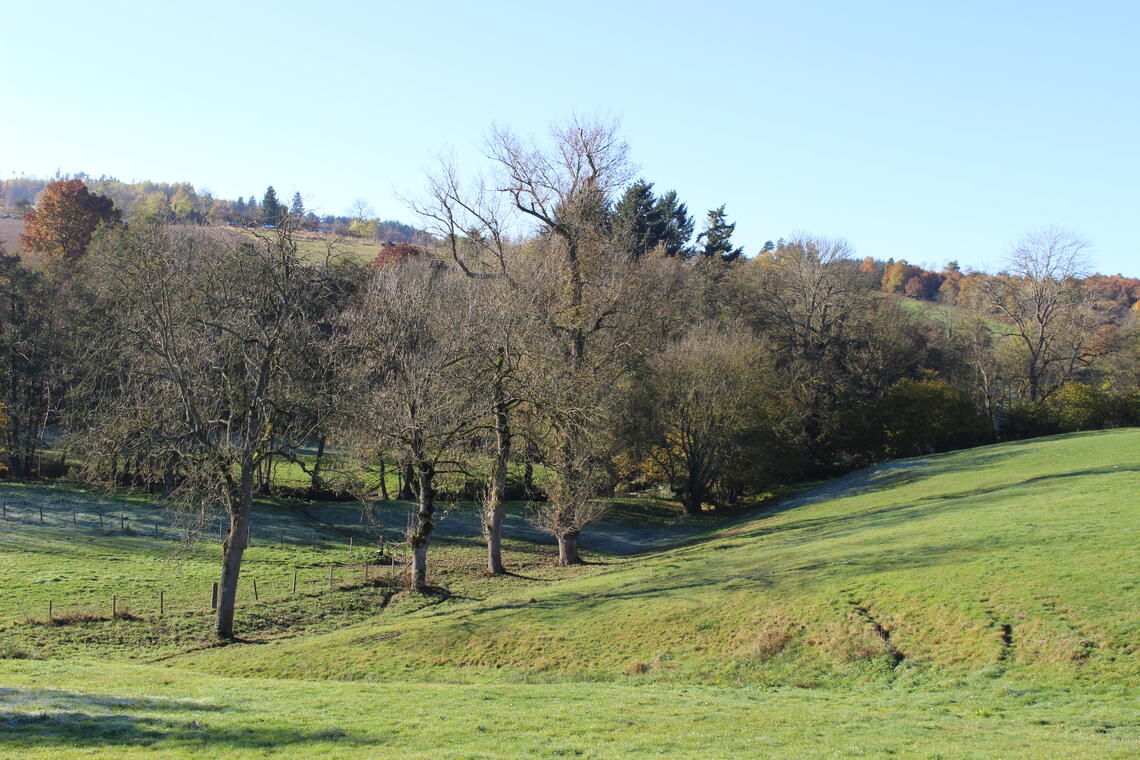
(981, 603)
(73, 710)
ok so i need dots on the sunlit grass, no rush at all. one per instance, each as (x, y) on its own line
(974, 604)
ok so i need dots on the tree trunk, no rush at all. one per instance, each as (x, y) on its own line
(384, 480)
(315, 477)
(407, 474)
(497, 496)
(266, 475)
(421, 531)
(419, 565)
(694, 494)
(528, 479)
(568, 549)
(232, 551)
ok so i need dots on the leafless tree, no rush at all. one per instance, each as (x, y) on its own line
(197, 364)
(587, 314)
(407, 370)
(470, 221)
(806, 297)
(562, 290)
(361, 209)
(1051, 315)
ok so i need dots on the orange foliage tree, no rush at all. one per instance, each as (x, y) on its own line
(67, 215)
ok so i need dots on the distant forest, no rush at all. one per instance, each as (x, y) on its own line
(179, 202)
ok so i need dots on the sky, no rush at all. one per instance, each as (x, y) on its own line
(929, 131)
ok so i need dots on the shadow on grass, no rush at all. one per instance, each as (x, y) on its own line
(36, 719)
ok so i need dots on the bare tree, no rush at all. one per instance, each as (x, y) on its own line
(361, 209)
(470, 222)
(198, 364)
(1051, 315)
(806, 297)
(589, 305)
(565, 298)
(39, 316)
(408, 374)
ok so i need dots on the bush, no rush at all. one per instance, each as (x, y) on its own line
(926, 415)
(1079, 406)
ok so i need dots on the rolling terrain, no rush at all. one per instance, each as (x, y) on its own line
(981, 603)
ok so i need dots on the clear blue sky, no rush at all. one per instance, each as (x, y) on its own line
(924, 130)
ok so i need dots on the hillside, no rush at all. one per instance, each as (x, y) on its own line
(980, 603)
(1018, 557)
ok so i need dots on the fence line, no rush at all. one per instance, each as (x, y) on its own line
(158, 602)
(255, 587)
(119, 521)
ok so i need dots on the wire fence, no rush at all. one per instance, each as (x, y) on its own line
(191, 598)
(75, 514)
(373, 561)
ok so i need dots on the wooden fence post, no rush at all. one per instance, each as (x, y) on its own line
(51, 615)
(161, 603)
(74, 519)
(100, 520)
(255, 597)
(123, 523)
(41, 513)
(214, 597)
(294, 583)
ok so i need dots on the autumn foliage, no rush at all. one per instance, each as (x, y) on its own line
(67, 215)
(396, 252)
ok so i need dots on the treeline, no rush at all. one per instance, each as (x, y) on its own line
(953, 286)
(181, 203)
(610, 347)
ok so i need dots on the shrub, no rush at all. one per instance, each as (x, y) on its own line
(1079, 406)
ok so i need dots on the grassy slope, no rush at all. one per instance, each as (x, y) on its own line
(942, 552)
(766, 636)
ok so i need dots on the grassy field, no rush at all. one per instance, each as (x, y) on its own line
(57, 710)
(981, 603)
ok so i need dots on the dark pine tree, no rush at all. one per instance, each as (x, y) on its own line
(678, 225)
(717, 237)
(270, 207)
(637, 219)
(297, 208)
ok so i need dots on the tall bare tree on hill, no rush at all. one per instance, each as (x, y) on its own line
(1053, 318)
(198, 365)
(407, 369)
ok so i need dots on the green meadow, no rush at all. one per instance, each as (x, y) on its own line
(976, 604)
